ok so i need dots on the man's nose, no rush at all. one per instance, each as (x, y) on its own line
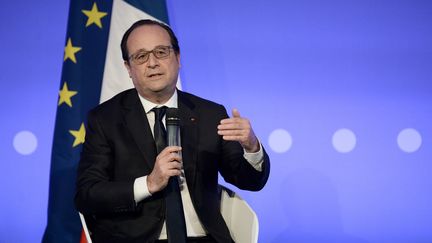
(152, 61)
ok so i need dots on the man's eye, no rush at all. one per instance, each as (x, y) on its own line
(141, 56)
(160, 52)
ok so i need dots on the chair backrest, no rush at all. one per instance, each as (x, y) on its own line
(239, 217)
(241, 220)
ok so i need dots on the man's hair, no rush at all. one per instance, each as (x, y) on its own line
(174, 41)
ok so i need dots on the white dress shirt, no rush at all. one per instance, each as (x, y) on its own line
(193, 225)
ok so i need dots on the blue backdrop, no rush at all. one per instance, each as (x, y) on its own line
(339, 93)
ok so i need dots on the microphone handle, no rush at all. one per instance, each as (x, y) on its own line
(173, 139)
(173, 135)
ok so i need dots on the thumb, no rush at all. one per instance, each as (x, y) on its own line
(235, 113)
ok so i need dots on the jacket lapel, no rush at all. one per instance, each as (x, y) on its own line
(189, 136)
(135, 120)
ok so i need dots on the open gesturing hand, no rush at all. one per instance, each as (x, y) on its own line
(239, 129)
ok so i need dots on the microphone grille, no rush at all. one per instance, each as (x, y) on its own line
(172, 112)
(172, 116)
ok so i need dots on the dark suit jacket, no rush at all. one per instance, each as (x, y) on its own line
(119, 147)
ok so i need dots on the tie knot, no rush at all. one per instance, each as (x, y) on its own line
(159, 112)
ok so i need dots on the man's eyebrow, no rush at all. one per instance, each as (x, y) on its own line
(141, 50)
(145, 50)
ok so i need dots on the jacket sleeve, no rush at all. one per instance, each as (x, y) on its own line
(235, 169)
(96, 191)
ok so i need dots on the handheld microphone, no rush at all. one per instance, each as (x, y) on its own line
(175, 220)
(172, 122)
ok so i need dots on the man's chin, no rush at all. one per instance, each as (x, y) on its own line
(163, 90)
(158, 89)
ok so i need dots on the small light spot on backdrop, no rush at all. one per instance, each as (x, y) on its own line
(409, 140)
(344, 140)
(25, 142)
(280, 141)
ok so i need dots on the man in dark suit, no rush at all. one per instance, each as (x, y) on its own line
(122, 179)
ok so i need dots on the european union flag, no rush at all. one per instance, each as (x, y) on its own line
(92, 72)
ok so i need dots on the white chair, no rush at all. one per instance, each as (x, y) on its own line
(241, 220)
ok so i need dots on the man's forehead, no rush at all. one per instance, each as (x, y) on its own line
(148, 37)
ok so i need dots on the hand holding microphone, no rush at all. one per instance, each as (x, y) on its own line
(169, 162)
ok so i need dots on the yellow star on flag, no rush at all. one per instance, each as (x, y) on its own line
(65, 95)
(94, 16)
(79, 135)
(70, 51)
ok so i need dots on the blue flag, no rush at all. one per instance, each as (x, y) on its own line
(92, 72)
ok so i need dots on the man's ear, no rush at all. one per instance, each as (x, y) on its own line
(126, 63)
(178, 60)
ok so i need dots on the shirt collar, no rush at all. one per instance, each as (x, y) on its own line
(148, 105)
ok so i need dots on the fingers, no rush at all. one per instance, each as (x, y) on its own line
(235, 117)
(169, 159)
(170, 149)
(241, 137)
(240, 125)
(238, 129)
(234, 127)
(171, 169)
(233, 138)
(235, 113)
(168, 163)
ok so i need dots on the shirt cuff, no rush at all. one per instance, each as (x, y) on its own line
(140, 188)
(255, 159)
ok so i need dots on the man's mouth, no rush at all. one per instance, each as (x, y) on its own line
(154, 75)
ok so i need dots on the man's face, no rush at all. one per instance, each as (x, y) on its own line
(156, 78)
